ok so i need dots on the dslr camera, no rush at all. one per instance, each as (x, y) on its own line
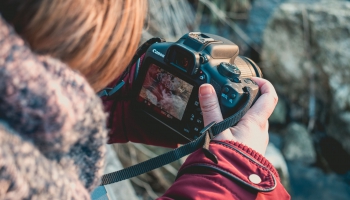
(167, 84)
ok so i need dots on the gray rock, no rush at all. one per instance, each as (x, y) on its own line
(275, 139)
(259, 14)
(309, 183)
(340, 129)
(120, 190)
(297, 144)
(306, 53)
(258, 17)
(275, 157)
(279, 115)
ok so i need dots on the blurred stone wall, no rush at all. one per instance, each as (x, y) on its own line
(306, 55)
(168, 19)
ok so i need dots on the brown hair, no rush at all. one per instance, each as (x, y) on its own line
(98, 38)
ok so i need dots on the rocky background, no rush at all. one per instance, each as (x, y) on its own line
(303, 48)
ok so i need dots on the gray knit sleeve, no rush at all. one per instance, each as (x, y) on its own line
(54, 113)
(26, 174)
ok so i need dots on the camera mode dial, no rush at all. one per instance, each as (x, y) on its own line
(228, 70)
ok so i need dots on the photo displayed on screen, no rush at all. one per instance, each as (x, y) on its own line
(166, 91)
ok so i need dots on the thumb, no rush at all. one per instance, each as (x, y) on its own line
(209, 104)
(211, 110)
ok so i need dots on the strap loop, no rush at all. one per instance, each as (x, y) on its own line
(207, 129)
(110, 91)
(208, 136)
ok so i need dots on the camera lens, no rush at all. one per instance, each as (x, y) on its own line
(247, 67)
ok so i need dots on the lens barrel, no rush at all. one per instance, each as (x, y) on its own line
(247, 67)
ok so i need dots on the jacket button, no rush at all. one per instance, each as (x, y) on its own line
(255, 179)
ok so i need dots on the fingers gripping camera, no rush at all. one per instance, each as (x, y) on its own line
(167, 85)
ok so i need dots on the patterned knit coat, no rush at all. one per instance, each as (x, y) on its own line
(52, 126)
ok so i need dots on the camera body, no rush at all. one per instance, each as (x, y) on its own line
(167, 84)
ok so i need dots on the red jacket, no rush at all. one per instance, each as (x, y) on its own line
(241, 173)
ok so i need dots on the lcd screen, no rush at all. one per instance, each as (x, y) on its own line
(165, 92)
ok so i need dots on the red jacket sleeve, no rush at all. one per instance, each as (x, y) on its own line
(241, 173)
(126, 124)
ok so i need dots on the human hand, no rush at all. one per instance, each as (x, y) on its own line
(252, 129)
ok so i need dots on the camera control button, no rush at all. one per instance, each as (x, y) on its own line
(236, 80)
(196, 129)
(225, 90)
(196, 103)
(192, 117)
(233, 96)
(186, 129)
(202, 77)
(248, 81)
(203, 58)
(199, 121)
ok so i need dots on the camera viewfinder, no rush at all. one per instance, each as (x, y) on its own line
(182, 60)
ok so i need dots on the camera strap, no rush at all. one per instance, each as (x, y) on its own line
(206, 134)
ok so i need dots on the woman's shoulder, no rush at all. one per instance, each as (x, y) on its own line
(46, 102)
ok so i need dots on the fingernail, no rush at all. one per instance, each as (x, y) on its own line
(205, 90)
